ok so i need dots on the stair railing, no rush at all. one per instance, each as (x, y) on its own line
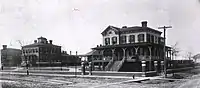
(107, 68)
(120, 64)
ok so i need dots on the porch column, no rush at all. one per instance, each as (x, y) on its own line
(127, 53)
(103, 66)
(167, 59)
(83, 68)
(99, 66)
(136, 52)
(102, 52)
(171, 57)
(124, 52)
(149, 47)
(113, 54)
(90, 68)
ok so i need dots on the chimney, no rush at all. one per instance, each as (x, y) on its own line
(144, 23)
(124, 27)
(50, 41)
(70, 53)
(4, 47)
(35, 41)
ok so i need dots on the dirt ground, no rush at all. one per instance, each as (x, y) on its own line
(16, 81)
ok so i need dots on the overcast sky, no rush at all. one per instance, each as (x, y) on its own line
(77, 24)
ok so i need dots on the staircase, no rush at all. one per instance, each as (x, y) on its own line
(120, 64)
(115, 65)
(111, 62)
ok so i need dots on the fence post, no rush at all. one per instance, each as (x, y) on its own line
(144, 68)
(83, 68)
(156, 66)
(162, 67)
(90, 68)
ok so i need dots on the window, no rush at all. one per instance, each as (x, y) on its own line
(148, 38)
(114, 40)
(36, 50)
(152, 39)
(33, 50)
(141, 38)
(107, 41)
(23, 51)
(132, 38)
(29, 50)
(123, 39)
(156, 39)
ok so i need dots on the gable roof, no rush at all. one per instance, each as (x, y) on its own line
(116, 29)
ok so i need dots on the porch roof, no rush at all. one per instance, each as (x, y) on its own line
(92, 53)
(127, 45)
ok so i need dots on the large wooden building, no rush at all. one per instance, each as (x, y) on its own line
(124, 48)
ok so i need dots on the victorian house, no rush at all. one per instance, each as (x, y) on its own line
(124, 48)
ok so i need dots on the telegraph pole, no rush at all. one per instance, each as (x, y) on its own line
(76, 64)
(165, 62)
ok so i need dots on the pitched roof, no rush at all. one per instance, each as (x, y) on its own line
(125, 29)
(93, 52)
(116, 29)
(42, 38)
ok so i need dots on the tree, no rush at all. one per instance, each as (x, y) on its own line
(26, 61)
(175, 50)
(188, 55)
(195, 57)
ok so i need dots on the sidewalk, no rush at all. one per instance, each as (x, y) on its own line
(84, 76)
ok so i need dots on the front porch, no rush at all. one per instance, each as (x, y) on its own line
(116, 57)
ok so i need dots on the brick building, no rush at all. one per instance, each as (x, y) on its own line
(44, 53)
(10, 56)
(41, 53)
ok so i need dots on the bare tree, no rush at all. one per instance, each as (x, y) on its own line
(175, 50)
(24, 57)
(195, 57)
(188, 55)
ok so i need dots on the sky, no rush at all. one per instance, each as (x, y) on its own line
(76, 25)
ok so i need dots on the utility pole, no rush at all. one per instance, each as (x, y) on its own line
(76, 64)
(165, 62)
